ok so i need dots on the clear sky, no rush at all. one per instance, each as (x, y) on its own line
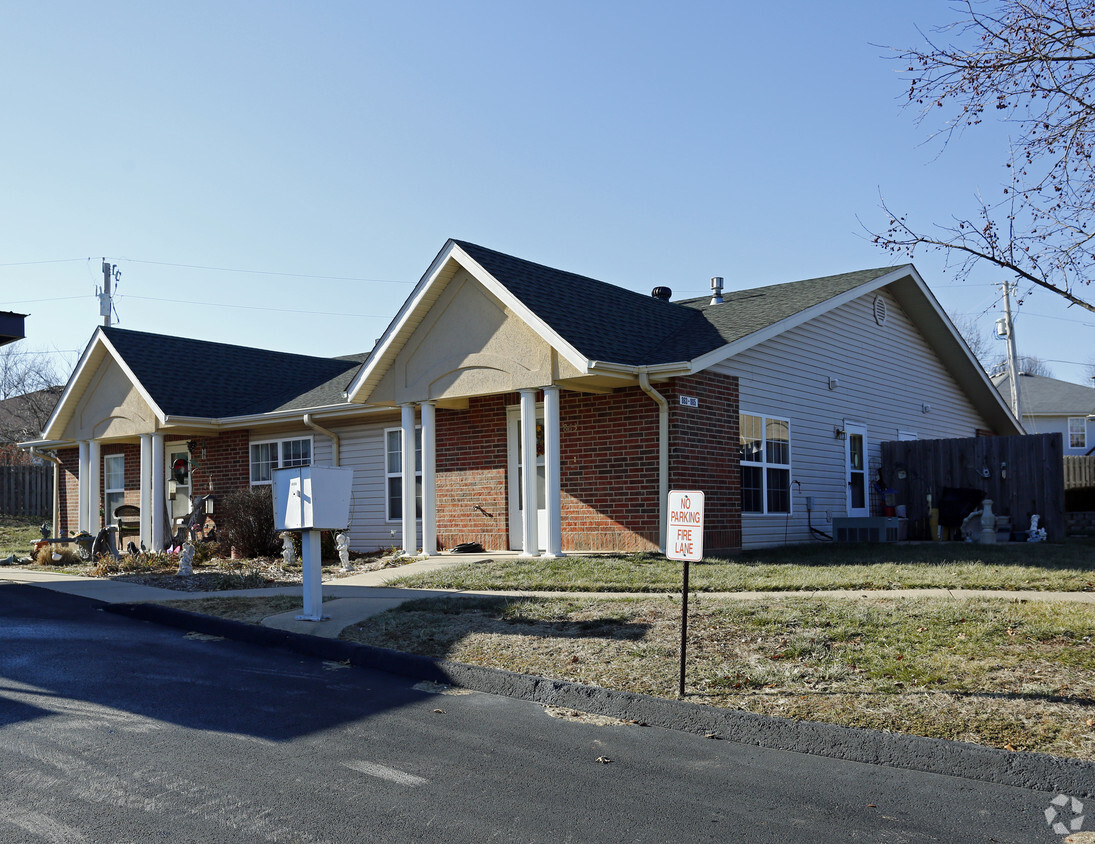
(280, 174)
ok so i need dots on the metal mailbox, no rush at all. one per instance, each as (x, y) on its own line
(312, 498)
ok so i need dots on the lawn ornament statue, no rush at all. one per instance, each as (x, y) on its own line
(1035, 534)
(186, 560)
(288, 550)
(342, 543)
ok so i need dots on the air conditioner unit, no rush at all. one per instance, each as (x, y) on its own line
(870, 529)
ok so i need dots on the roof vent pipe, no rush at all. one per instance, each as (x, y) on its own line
(716, 290)
(663, 293)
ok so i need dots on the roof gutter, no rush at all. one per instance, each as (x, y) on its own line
(663, 451)
(335, 441)
(52, 458)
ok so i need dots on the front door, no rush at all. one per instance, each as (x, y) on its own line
(178, 482)
(856, 455)
(516, 473)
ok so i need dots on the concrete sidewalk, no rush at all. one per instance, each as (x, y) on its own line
(358, 596)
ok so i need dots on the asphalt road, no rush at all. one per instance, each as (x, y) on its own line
(114, 730)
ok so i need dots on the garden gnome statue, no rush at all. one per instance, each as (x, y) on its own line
(342, 542)
(186, 560)
(988, 522)
(288, 552)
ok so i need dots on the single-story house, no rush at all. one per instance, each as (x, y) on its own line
(540, 410)
(1049, 406)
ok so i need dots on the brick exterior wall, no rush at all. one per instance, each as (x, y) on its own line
(609, 466)
(704, 452)
(223, 466)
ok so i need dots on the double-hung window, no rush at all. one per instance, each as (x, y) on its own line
(1077, 432)
(393, 470)
(278, 454)
(765, 464)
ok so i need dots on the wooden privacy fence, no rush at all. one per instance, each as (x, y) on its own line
(1079, 472)
(1022, 475)
(26, 490)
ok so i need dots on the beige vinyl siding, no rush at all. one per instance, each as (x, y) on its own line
(362, 448)
(884, 373)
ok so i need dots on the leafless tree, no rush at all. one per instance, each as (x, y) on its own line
(1030, 63)
(28, 392)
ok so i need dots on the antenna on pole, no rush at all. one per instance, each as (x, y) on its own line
(106, 301)
(1013, 374)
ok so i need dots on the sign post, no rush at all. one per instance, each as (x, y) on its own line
(684, 541)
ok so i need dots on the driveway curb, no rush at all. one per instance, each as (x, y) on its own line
(1035, 771)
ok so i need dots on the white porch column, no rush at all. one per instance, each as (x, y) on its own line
(158, 507)
(82, 523)
(553, 546)
(146, 483)
(530, 541)
(429, 475)
(94, 487)
(410, 526)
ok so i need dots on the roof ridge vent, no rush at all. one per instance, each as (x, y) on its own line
(716, 290)
(663, 293)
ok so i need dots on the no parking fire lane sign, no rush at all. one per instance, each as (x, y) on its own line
(684, 538)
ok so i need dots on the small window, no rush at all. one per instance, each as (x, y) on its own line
(1077, 432)
(393, 470)
(278, 454)
(765, 464)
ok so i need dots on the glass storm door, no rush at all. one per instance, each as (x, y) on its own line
(858, 496)
(516, 473)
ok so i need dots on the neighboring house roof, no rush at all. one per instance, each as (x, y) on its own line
(1040, 395)
(11, 327)
(22, 417)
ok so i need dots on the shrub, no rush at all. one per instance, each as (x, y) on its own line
(245, 521)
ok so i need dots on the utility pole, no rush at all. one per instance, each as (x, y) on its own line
(1013, 374)
(106, 302)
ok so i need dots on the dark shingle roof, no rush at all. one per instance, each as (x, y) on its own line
(1040, 394)
(215, 380)
(608, 323)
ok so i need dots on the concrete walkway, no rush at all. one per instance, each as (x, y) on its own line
(358, 596)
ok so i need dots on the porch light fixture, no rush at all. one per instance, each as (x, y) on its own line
(925, 408)
(839, 433)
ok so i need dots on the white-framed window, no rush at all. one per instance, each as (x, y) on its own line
(1077, 432)
(765, 464)
(393, 471)
(268, 455)
(113, 485)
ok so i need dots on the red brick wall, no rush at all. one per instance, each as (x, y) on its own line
(223, 466)
(471, 470)
(609, 465)
(704, 452)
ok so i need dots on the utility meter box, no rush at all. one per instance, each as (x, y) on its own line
(312, 498)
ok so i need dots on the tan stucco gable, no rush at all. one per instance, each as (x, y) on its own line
(469, 344)
(110, 407)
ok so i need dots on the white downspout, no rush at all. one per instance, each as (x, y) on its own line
(52, 458)
(335, 456)
(663, 451)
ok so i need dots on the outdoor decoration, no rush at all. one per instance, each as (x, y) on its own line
(342, 543)
(1035, 534)
(186, 560)
(288, 550)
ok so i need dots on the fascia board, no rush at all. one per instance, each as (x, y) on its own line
(545, 331)
(659, 371)
(327, 412)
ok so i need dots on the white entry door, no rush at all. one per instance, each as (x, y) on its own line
(178, 489)
(859, 499)
(516, 473)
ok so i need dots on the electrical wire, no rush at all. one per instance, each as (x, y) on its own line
(264, 272)
(208, 304)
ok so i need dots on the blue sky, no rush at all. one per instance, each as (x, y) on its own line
(318, 156)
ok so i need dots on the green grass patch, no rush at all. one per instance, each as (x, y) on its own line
(18, 535)
(1015, 566)
(1010, 674)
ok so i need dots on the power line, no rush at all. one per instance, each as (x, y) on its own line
(208, 304)
(54, 261)
(50, 299)
(265, 272)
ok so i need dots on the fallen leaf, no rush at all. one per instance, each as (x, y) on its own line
(1009, 746)
(440, 711)
(711, 735)
(604, 760)
(1091, 722)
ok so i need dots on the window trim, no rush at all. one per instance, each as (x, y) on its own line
(388, 475)
(108, 517)
(279, 441)
(765, 465)
(1082, 432)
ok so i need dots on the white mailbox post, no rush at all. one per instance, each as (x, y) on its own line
(312, 499)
